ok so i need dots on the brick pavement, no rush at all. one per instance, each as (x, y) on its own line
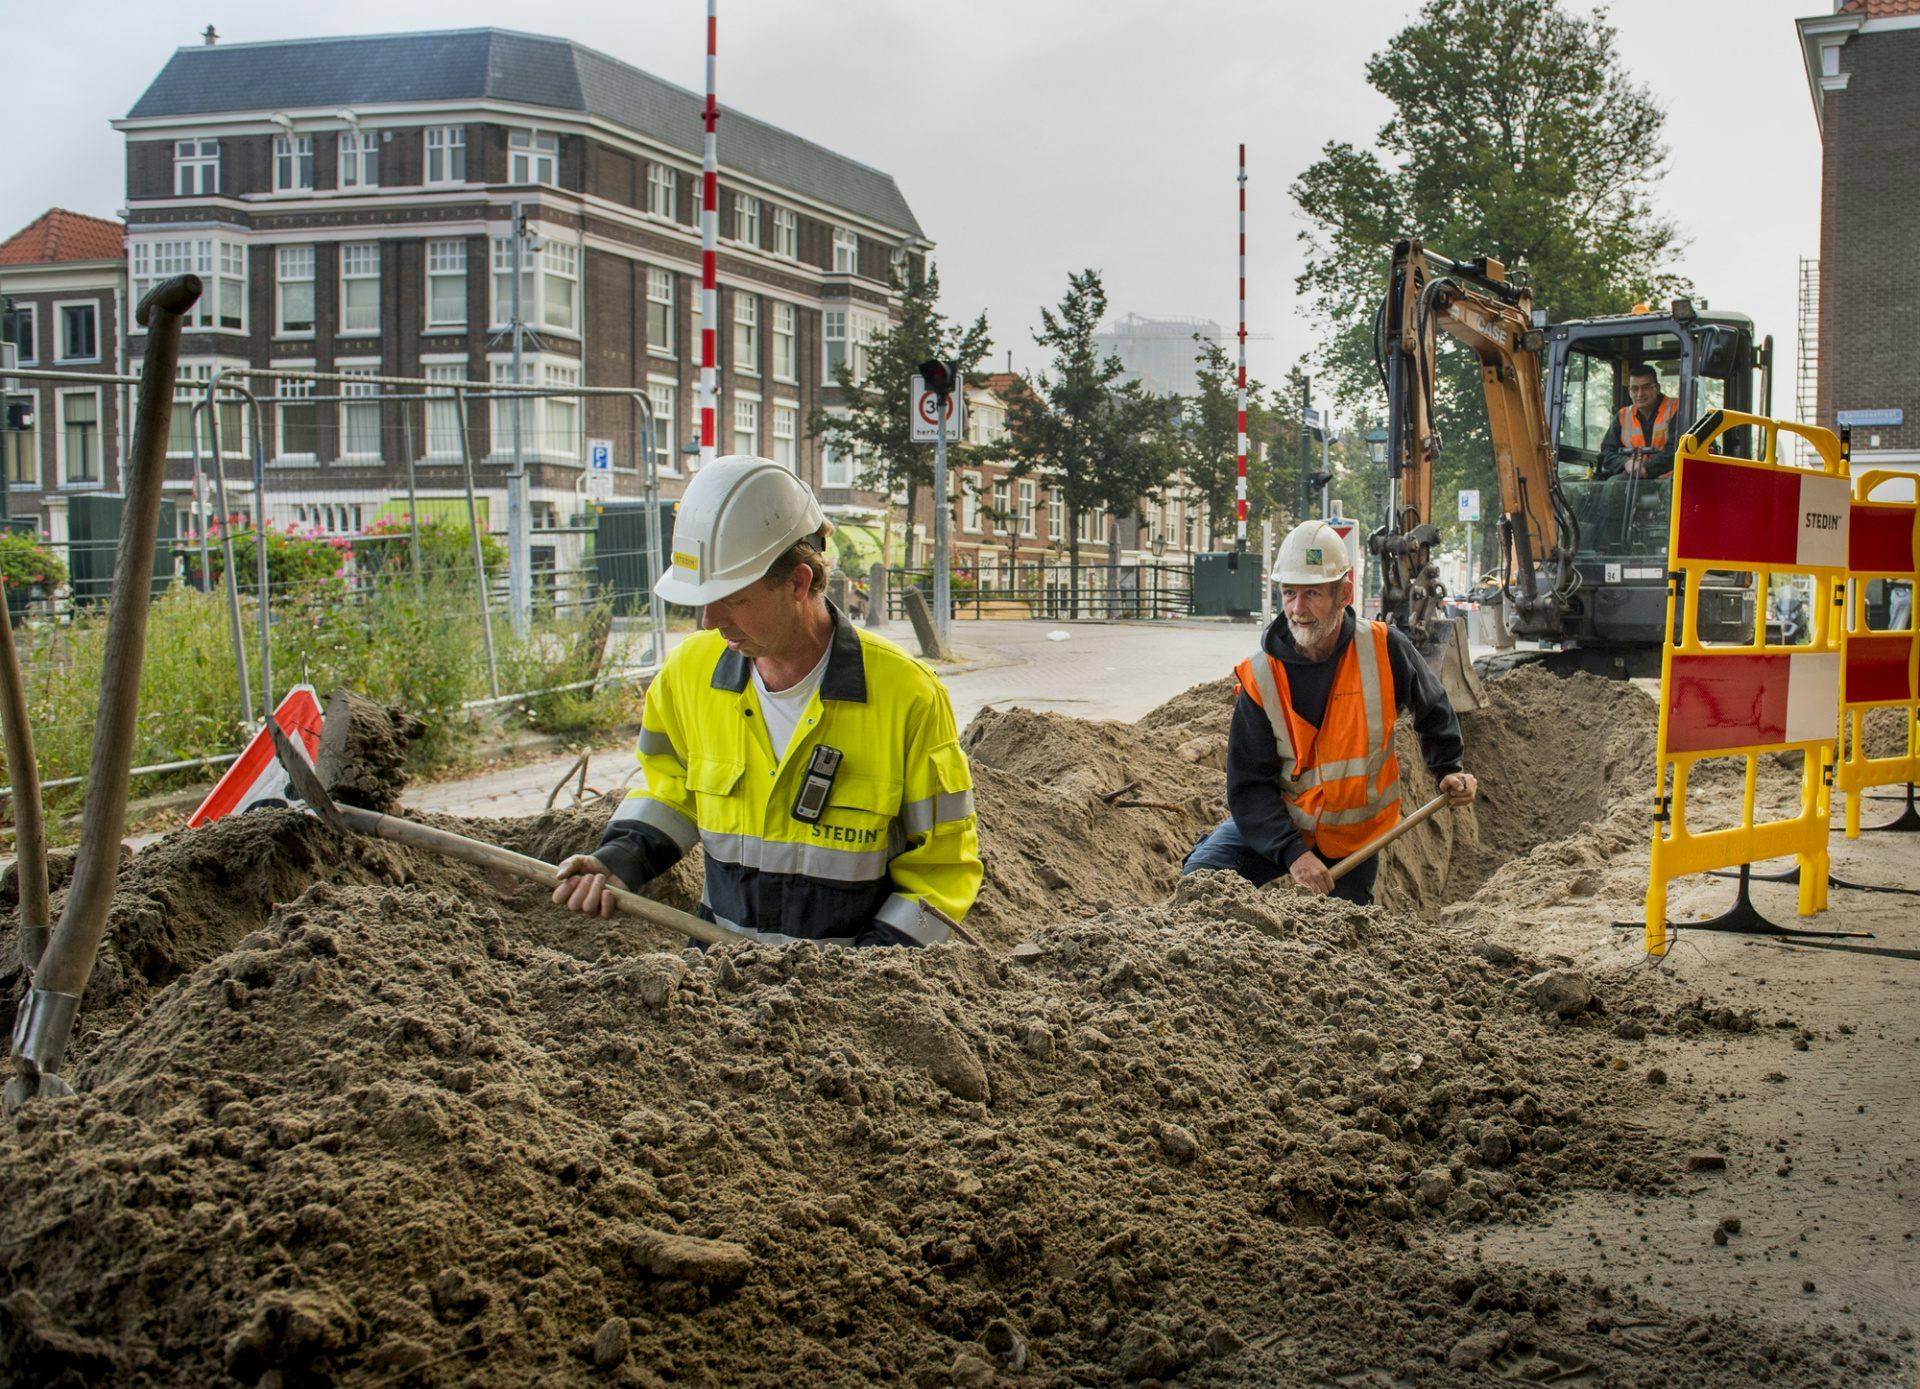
(1116, 670)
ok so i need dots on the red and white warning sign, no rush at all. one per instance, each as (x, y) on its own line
(1716, 702)
(257, 776)
(926, 418)
(1760, 516)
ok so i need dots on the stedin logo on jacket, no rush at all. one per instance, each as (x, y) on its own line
(843, 834)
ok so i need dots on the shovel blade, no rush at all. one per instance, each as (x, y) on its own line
(306, 781)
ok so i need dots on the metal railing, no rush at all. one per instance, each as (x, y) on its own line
(1095, 592)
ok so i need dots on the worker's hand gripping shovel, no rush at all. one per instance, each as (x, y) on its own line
(1376, 844)
(307, 785)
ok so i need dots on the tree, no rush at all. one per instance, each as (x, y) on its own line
(1106, 444)
(1518, 133)
(1210, 438)
(876, 380)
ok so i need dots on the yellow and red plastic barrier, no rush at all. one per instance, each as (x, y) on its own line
(1883, 664)
(1762, 696)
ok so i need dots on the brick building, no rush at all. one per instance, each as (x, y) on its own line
(1863, 67)
(348, 202)
(62, 304)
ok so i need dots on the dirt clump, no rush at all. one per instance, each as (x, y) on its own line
(363, 751)
(394, 1136)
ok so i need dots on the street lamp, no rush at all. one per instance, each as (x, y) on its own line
(1376, 446)
(1158, 545)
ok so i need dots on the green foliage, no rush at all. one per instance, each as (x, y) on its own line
(24, 562)
(1516, 132)
(876, 429)
(446, 548)
(1107, 445)
(296, 564)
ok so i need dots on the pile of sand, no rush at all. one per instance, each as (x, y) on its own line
(350, 1112)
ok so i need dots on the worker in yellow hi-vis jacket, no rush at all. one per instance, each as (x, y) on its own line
(816, 765)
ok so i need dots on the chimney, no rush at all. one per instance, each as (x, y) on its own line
(210, 36)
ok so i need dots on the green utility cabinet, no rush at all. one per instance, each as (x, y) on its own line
(1224, 589)
(93, 545)
(623, 568)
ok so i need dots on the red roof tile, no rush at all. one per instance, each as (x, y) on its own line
(1879, 9)
(59, 235)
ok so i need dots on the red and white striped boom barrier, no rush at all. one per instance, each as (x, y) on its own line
(709, 257)
(1240, 466)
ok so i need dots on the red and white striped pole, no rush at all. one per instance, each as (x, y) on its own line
(709, 259)
(1240, 483)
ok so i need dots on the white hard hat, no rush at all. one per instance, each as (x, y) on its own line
(738, 516)
(1312, 553)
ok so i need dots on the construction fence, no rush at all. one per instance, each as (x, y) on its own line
(1058, 592)
(449, 543)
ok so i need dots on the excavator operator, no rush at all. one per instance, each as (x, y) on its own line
(1641, 439)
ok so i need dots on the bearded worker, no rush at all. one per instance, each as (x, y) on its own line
(816, 765)
(1311, 771)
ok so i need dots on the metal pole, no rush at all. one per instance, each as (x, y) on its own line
(942, 579)
(473, 533)
(519, 552)
(1306, 448)
(232, 580)
(709, 255)
(260, 557)
(1240, 406)
(413, 498)
(650, 498)
(195, 420)
(1326, 467)
(1266, 572)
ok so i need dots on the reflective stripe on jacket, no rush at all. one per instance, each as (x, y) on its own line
(1341, 781)
(1633, 437)
(894, 853)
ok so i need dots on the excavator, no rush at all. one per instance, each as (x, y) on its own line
(1583, 571)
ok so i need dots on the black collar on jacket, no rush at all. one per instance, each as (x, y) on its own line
(846, 674)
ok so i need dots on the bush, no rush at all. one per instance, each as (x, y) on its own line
(296, 564)
(24, 562)
(446, 548)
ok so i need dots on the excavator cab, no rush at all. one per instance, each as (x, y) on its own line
(1617, 614)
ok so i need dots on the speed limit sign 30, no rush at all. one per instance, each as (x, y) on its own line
(926, 417)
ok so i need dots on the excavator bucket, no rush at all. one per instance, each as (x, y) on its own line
(1446, 653)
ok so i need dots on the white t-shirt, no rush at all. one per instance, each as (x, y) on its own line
(784, 709)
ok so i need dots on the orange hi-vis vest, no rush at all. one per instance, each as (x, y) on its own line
(1633, 437)
(1341, 781)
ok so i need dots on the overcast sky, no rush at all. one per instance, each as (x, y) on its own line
(1035, 139)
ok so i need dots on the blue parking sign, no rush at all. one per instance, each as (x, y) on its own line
(600, 455)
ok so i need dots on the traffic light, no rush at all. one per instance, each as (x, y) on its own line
(1319, 480)
(942, 377)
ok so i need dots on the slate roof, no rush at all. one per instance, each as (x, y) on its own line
(503, 65)
(59, 235)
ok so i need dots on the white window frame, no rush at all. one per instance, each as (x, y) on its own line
(357, 366)
(293, 391)
(293, 163)
(786, 341)
(560, 433)
(746, 333)
(846, 251)
(861, 330)
(746, 219)
(440, 406)
(1027, 495)
(666, 442)
(500, 283)
(449, 150)
(1003, 505)
(838, 467)
(1056, 513)
(282, 278)
(60, 397)
(559, 265)
(439, 258)
(970, 503)
(236, 442)
(663, 190)
(32, 313)
(196, 168)
(197, 255)
(746, 423)
(831, 319)
(27, 441)
(658, 278)
(357, 159)
(356, 253)
(532, 153)
(786, 233)
(785, 435)
(60, 353)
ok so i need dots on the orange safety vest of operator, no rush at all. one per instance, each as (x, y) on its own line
(1340, 781)
(1633, 437)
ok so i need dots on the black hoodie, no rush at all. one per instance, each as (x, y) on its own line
(1253, 766)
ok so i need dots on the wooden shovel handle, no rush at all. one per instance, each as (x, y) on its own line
(484, 855)
(1374, 846)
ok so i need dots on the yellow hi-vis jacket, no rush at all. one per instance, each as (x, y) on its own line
(897, 831)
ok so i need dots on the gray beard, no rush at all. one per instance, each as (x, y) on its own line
(1311, 640)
